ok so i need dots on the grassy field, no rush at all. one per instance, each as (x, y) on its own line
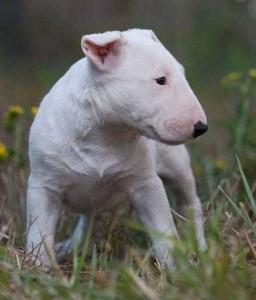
(121, 265)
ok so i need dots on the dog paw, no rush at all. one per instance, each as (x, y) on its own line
(63, 250)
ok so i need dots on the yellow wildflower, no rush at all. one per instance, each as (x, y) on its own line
(220, 164)
(230, 78)
(3, 152)
(13, 114)
(34, 110)
(252, 73)
(16, 110)
(197, 169)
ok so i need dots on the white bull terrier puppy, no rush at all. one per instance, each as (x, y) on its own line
(92, 142)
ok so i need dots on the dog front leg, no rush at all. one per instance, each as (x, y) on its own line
(43, 209)
(152, 206)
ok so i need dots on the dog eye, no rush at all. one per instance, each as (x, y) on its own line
(161, 80)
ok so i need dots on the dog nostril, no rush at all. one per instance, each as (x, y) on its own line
(199, 129)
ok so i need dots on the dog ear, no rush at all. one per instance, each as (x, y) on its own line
(105, 50)
(154, 37)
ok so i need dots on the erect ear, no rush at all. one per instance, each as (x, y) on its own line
(146, 32)
(105, 50)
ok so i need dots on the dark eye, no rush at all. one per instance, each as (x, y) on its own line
(161, 80)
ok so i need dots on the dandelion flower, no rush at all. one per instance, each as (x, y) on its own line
(220, 164)
(252, 73)
(15, 110)
(231, 78)
(12, 115)
(3, 152)
(197, 169)
(34, 110)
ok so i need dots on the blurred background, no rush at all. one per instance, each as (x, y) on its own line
(41, 39)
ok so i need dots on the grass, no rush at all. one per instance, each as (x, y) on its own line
(121, 265)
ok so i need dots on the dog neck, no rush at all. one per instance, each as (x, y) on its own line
(116, 135)
(96, 119)
(109, 138)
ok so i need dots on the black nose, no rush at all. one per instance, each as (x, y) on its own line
(199, 129)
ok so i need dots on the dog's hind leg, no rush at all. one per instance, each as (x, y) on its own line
(65, 248)
(173, 165)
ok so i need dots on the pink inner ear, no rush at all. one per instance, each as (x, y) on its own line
(103, 53)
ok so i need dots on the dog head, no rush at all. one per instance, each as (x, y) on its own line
(142, 85)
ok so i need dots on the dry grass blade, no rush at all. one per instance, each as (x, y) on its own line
(250, 244)
(181, 217)
(2, 235)
(145, 289)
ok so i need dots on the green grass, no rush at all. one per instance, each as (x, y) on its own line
(122, 265)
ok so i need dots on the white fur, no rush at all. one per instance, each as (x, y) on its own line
(89, 141)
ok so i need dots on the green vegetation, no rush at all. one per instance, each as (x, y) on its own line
(121, 265)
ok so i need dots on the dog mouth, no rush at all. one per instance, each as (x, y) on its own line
(156, 136)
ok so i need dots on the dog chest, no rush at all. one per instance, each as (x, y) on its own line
(93, 194)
